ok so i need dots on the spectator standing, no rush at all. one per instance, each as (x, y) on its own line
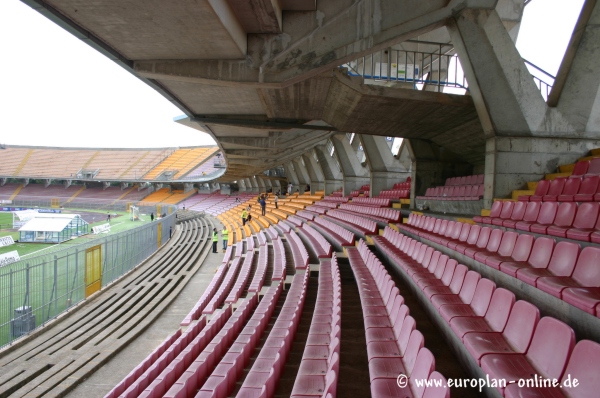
(151, 216)
(244, 216)
(289, 189)
(276, 201)
(108, 218)
(170, 232)
(263, 206)
(215, 240)
(225, 238)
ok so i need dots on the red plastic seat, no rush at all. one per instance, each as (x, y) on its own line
(531, 214)
(562, 263)
(507, 209)
(581, 168)
(482, 240)
(455, 284)
(492, 246)
(594, 168)
(494, 319)
(438, 387)
(585, 222)
(585, 274)
(540, 191)
(476, 307)
(583, 366)
(570, 190)
(471, 239)
(541, 253)
(517, 215)
(520, 252)
(465, 295)
(545, 218)
(547, 356)
(494, 213)
(515, 337)
(563, 220)
(424, 366)
(462, 237)
(587, 189)
(556, 188)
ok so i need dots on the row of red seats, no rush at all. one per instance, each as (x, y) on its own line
(208, 294)
(354, 222)
(507, 339)
(307, 215)
(263, 377)
(463, 192)
(295, 221)
(586, 168)
(565, 220)
(261, 270)
(476, 179)
(242, 278)
(262, 238)
(572, 189)
(394, 194)
(272, 232)
(387, 214)
(225, 286)
(298, 249)
(224, 356)
(319, 209)
(335, 232)
(337, 199)
(279, 260)
(193, 340)
(320, 359)
(378, 202)
(394, 346)
(319, 244)
(201, 364)
(249, 243)
(402, 185)
(561, 269)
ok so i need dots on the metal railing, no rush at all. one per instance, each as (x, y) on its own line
(430, 71)
(38, 288)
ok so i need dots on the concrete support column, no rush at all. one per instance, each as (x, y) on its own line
(242, 185)
(302, 173)
(2, 181)
(254, 185)
(354, 174)
(331, 173)
(47, 182)
(511, 162)
(385, 169)
(124, 185)
(317, 181)
(187, 187)
(105, 185)
(292, 176)
(262, 187)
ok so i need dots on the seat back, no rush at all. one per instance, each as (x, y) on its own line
(416, 341)
(572, 186)
(473, 234)
(551, 347)
(585, 367)
(449, 269)
(556, 186)
(483, 295)
(438, 387)
(521, 323)
(541, 252)
(522, 248)
(456, 230)
(532, 211)
(581, 168)
(518, 211)
(507, 245)
(464, 232)
(565, 214)
(458, 278)
(434, 262)
(589, 184)
(507, 209)
(587, 269)
(587, 214)
(484, 237)
(467, 291)
(403, 331)
(594, 167)
(547, 213)
(542, 188)
(564, 258)
(450, 228)
(496, 209)
(494, 241)
(424, 365)
(499, 309)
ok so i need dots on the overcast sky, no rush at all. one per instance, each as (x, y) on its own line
(57, 91)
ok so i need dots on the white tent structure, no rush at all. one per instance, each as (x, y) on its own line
(53, 228)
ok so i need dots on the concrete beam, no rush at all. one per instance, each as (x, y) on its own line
(312, 43)
(290, 173)
(385, 169)
(226, 15)
(347, 158)
(333, 177)
(301, 172)
(576, 91)
(258, 16)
